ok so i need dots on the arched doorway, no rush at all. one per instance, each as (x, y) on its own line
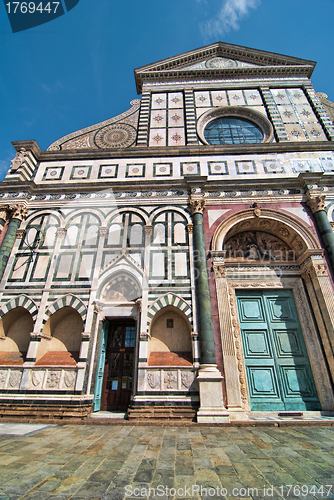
(273, 360)
(119, 294)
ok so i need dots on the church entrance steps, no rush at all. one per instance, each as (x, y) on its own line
(162, 413)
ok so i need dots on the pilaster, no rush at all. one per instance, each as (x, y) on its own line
(144, 119)
(320, 111)
(190, 116)
(274, 114)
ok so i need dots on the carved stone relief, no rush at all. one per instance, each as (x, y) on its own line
(3, 378)
(53, 379)
(170, 380)
(69, 379)
(153, 379)
(14, 379)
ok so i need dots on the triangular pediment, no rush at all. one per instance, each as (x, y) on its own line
(220, 63)
(223, 60)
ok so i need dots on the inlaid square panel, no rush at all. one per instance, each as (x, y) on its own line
(301, 166)
(176, 137)
(190, 168)
(327, 164)
(158, 118)
(315, 132)
(159, 101)
(280, 96)
(253, 98)
(288, 114)
(202, 99)
(157, 137)
(135, 170)
(273, 166)
(245, 167)
(175, 100)
(175, 118)
(108, 171)
(81, 172)
(297, 96)
(218, 167)
(305, 113)
(53, 173)
(162, 169)
(295, 132)
(236, 98)
(219, 98)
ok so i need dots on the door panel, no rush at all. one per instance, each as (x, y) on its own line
(278, 371)
(119, 365)
(100, 366)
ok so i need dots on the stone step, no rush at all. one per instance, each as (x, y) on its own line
(161, 413)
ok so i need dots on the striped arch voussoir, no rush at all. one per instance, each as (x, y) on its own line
(67, 300)
(169, 299)
(20, 301)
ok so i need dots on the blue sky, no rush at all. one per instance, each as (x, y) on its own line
(77, 70)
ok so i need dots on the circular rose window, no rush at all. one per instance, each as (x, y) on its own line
(230, 130)
(234, 125)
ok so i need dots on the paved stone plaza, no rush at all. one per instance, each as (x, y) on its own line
(106, 462)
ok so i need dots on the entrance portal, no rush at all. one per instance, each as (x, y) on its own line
(278, 371)
(119, 363)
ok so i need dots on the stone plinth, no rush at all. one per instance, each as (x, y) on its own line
(211, 408)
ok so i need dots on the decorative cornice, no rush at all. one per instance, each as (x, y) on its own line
(267, 64)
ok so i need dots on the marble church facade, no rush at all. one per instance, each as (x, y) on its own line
(180, 255)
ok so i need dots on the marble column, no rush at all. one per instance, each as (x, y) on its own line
(209, 378)
(317, 205)
(18, 214)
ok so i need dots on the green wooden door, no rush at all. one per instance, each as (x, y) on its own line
(278, 370)
(100, 366)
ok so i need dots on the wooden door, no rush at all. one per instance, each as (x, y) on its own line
(119, 365)
(278, 370)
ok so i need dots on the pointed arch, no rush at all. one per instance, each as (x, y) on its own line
(170, 299)
(20, 301)
(66, 300)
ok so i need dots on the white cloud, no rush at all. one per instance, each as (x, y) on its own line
(229, 16)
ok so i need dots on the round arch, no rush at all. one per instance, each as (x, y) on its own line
(67, 300)
(291, 231)
(180, 211)
(41, 213)
(119, 211)
(121, 283)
